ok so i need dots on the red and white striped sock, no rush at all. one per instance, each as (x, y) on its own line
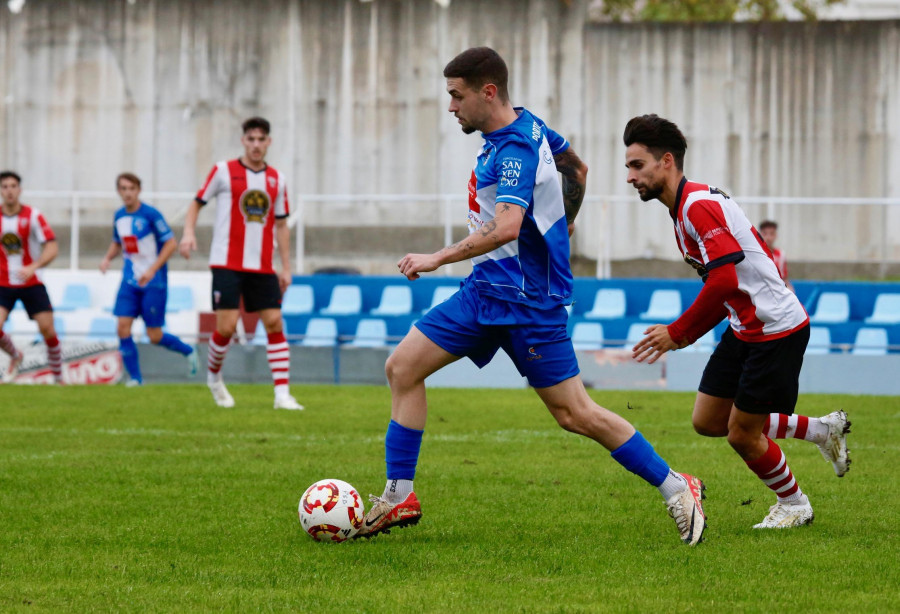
(773, 470)
(54, 357)
(781, 426)
(6, 344)
(218, 347)
(279, 362)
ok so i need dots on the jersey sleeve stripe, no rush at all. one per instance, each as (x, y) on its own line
(734, 257)
(515, 200)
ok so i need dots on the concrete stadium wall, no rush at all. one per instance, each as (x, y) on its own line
(357, 101)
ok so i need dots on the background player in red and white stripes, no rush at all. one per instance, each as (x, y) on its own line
(22, 230)
(768, 230)
(755, 369)
(251, 206)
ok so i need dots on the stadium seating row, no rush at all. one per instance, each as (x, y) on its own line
(870, 341)
(308, 296)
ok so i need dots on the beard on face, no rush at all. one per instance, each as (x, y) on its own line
(651, 193)
(467, 129)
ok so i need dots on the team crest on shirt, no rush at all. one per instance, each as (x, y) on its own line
(12, 244)
(255, 205)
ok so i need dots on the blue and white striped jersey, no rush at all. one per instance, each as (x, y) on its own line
(141, 235)
(516, 166)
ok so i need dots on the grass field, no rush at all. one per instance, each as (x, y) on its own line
(151, 499)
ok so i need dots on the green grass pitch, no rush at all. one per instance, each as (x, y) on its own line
(154, 500)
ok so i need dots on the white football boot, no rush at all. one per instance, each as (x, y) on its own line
(286, 401)
(787, 516)
(13, 369)
(220, 393)
(834, 449)
(687, 510)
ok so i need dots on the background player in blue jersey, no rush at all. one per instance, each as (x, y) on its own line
(146, 242)
(520, 218)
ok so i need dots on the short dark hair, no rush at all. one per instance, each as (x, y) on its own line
(128, 177)
(256, 123)
(479, 66)
(10, 174)
(658, 135)
(768, 224)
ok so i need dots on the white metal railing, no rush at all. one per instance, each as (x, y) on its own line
(449, 212)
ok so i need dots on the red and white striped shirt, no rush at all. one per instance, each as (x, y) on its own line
(713, 231)
(21, 236)
(247, 205)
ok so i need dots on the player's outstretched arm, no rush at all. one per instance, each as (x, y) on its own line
(574, 181)
(112, 252)
(188, 242)
(497, 232)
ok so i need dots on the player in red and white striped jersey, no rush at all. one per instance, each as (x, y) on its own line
(251, 207)
(768, 230)
(22, 230)
(755, 369)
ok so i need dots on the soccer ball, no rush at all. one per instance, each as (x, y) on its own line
(331, 510)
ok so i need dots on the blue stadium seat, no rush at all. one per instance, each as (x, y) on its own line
(819, 340)
(181, 298)
(103, 329)
(298, 300)
(75, 296)
(441, 294)
(345, 300)
(665, 306)
(831, 308)
(635, 334)
(320, 332)
(886, 311)
(706, 343)
(870, 342)
(395, 301)
(370, 333)
(587, 336)
(609, 303)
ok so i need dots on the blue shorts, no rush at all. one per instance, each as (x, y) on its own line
(149, 303)
(536, 340)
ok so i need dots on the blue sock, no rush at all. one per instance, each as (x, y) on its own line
(401, 451)
(638, 456)
(171, 342)
(130, 358)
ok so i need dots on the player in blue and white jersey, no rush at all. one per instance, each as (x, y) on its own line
(142, 236)
(520, 218)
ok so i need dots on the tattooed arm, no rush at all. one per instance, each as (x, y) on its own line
(499, 231)
(574, 179)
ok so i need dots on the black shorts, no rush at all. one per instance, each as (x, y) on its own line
(761, 377)
(34, 299)
(260, 290)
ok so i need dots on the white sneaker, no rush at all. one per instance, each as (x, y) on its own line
(286, 401)
(13, 369)
(834, 450)
(220, 394)
(786, 516)
(687, 511)
(133, 383)
(193, 363)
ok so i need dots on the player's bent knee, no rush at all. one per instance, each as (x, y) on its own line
(708, 430)
(155, 335)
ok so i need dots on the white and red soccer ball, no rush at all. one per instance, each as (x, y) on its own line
(331, 510)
